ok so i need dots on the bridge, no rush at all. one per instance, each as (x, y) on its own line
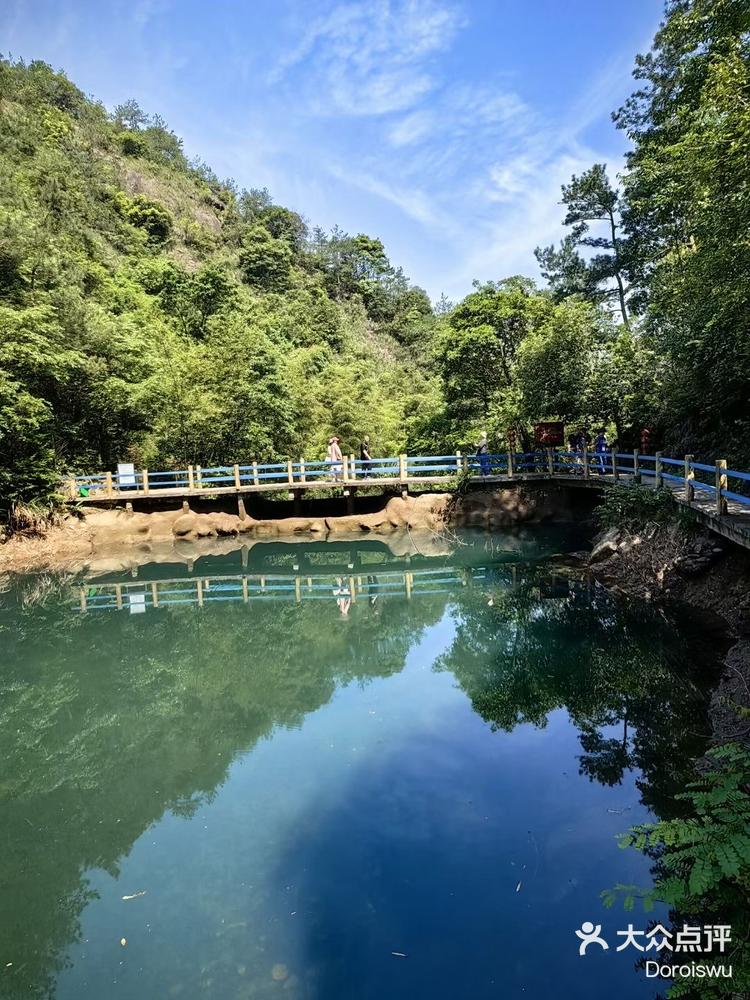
(702, 488)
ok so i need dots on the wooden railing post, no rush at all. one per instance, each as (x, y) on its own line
(586, 471)
(237, 480)
(689, 477)
(721, 484)
(72, 489)
(636, 465)
(290, 472)
(658, 481)
(256, 481)
(550, 461)
(345, 460)
(199, 476)
(615, 470)
(108, 484)
(191, 478)
(403, 468)
(458, 463)
(302, 477)
(144, 474)
(352, 467)
(510, 463)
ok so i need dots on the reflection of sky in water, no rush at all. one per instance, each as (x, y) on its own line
(388, 817)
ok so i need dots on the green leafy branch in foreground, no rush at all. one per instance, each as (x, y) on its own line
(703, 864)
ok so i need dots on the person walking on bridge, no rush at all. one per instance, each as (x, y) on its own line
(335, 458)
(601, 447)
(365, 458)
(483, 454)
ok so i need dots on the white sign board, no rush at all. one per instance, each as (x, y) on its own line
(126, 474)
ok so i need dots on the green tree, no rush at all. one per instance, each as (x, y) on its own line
(264, 260)
(687, 207)
(477, 351)
(590, 199)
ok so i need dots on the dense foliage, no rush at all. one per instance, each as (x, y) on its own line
(151, 312)
(673, 245)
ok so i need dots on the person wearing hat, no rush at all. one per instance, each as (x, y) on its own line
(483, 454)
(335, 458)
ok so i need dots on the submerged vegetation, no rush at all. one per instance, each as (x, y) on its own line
(151, 312)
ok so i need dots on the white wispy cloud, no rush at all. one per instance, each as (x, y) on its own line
(478, 163)
(370, 58)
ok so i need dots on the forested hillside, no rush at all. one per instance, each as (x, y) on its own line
(151, 312)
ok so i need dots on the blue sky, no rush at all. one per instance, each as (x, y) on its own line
(445, 128)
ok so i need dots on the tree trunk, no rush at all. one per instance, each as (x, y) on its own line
(618, 276)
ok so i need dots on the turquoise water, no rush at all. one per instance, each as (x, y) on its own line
(364, 777)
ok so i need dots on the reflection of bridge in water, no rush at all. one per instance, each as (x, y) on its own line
(139, 596)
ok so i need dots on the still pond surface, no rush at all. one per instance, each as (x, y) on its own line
(335, 773)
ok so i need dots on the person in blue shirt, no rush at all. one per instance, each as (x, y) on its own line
(601, 448)
(483, 454)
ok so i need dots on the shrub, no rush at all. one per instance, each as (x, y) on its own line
(146, 214)
(264, 260)
(132, 143)
(633, 507)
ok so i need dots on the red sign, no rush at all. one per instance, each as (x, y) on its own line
(549, 433)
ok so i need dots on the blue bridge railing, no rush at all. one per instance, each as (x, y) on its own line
(683, 475)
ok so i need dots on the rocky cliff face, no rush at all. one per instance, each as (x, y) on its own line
(667, 565)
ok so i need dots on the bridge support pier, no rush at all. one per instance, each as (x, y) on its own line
(350, 493)
(297, 494)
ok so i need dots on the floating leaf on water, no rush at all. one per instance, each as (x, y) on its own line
(518, 887)
(136, 895)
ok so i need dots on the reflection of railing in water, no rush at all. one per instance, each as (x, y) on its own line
(137, 596)
(201, 590)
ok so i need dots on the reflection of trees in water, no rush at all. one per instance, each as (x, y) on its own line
(108, 721)
(522, 652)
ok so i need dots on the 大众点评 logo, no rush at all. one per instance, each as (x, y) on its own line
(690, 940)
(704, 939)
